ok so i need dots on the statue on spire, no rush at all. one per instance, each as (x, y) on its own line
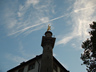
(49, 27)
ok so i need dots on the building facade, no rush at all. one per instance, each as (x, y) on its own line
(45, 62)
(34, 65)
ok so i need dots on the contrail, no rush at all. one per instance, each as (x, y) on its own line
(84, 8)
(58, 18)
(22, 30)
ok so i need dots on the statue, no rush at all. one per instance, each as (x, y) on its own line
(49, 27)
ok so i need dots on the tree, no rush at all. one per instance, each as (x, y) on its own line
(89, 55)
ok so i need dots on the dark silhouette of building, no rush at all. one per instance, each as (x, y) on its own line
(45, 62)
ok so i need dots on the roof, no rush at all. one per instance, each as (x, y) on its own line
(34, 59)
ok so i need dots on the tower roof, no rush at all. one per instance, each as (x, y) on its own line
(34, 59)
(48, 32)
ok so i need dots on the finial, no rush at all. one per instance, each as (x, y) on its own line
(49, 27)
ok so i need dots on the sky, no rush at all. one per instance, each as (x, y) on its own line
(24, 22)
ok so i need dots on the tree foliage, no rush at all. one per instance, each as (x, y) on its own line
(89, 46)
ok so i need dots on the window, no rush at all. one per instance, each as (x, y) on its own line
(31, 66)
(55, 67)
(21, 70)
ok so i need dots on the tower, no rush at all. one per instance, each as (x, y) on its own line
(47, 56)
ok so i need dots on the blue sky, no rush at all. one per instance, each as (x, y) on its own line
(24, 22)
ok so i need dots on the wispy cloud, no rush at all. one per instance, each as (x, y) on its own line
(43, 21)
(15, 58)
(30, 17)
(77, 10)
(64, 40)
(23, 52)
(34, 2)
(27, 17)
(24, 56)
(82, 15)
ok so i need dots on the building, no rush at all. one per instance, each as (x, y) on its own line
(45, 62)
(34, 64)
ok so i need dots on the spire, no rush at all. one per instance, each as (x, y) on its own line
(47, 57)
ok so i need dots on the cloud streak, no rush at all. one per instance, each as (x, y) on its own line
(15, 58)
(84, 8)
(28, 17)
(22, 51)
(31, 17)
(35, 25)
(82, 16)
(64, 40)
